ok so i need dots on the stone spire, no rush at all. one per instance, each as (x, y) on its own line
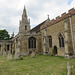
(24, 23)
(24, 15)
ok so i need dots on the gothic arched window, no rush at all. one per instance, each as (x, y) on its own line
(61, 41)
(50, 41)
(32, 42)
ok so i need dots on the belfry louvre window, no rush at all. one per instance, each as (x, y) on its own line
(61, 41)
(50, 41)
(25, 27)
(32, 42)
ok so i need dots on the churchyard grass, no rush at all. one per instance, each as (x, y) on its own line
(39, 65)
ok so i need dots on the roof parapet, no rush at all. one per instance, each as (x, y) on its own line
(71, 10)
(63, 14)
(52, 20)
(57, 17)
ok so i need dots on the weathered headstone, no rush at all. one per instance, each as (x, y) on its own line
(9, 57)
(21, 57)
(21, 54)
(16, 56)
(4, 54)
(69, 68)
(33, 54)
(37, 54)
(0, 53)
(27, 73)
(26, 54)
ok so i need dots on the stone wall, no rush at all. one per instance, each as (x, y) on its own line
(24, 43)
(54, 30)
(70, 44)
(73, 26)
(4, 44)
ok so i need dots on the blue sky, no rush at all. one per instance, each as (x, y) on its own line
(37, 10)
(69, 2)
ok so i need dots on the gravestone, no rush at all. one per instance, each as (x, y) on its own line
(4, 54)
(9, 57)
(21, 57)
(16, 56)
(26, 54)
(21, 54)
(33, 54)
(37, 54)
(69, 69)
(0, 52)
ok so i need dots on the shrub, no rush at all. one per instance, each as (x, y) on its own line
(52, 51)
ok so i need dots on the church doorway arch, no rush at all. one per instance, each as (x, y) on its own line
(55, 50)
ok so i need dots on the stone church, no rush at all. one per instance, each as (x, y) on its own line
(56, 36)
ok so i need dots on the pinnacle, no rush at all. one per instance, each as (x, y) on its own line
(48, 16)
(24, 7)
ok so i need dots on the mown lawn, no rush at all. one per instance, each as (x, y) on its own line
(40, 65)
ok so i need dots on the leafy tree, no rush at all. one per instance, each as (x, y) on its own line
(4, 35)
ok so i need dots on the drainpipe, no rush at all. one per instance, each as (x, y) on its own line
(47, 34)
(72, 34)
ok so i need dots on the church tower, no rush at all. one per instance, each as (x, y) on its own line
(24, 23)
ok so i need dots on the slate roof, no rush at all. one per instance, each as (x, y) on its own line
(37, 28)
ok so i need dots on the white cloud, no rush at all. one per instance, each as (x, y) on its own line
(37, 10)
